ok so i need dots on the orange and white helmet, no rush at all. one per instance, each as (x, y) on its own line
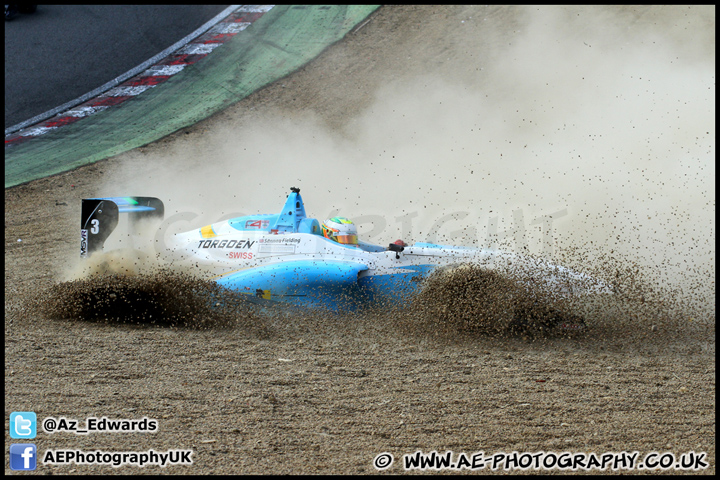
(341, 230)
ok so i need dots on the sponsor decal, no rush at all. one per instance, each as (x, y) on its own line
(225, 244)
(259, 292)
(241, 255)
(83, 242)
(276, 249)
(261, 224)
(267, 240)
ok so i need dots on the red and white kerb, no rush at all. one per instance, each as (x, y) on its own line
(174, 63)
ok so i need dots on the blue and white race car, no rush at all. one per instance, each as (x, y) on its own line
(289, 257)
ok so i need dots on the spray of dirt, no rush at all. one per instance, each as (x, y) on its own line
(600, 119)
(164, 299)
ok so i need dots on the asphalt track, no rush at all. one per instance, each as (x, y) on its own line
(278, 43)
(62, 52)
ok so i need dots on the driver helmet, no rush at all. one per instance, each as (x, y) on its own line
(341, 230)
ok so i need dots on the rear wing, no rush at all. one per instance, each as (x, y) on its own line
(99, 217)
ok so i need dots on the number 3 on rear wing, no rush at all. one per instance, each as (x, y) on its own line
(99, 218)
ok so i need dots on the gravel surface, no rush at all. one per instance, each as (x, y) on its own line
(313, 394)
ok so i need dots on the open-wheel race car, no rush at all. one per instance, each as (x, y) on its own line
(290, 258)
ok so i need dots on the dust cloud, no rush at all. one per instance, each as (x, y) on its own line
(585, 134)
